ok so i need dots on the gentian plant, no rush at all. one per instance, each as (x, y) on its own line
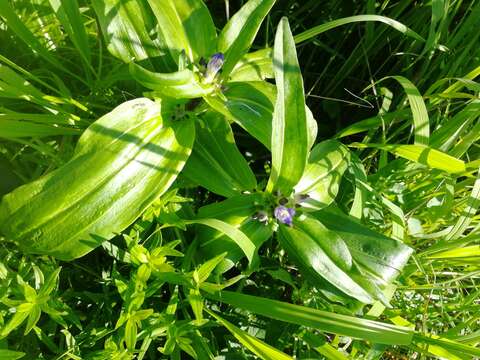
(125, 189)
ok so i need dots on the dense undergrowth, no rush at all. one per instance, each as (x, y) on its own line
(210, 213)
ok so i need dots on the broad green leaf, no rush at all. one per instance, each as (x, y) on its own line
(332, 244)
(258, 347)
(238, 211)
(187, 26)
(254, 66)
(308, 34)
(10, 354)
(126, 27)
(289, 126)
(250, 105)
(321, 179)
(448, 345)
(422, 154)
(215, 162)
(382, 256)
(375, 331)
(68, 12)
(310, 257)
(122, 163)
(181, 84)
(238, 34)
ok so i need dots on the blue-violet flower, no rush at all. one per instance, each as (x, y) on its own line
(284, 214)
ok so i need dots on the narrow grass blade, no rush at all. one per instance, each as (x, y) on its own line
(468, 213)
(375, 331)
(419, 110)
(306, 35)
(423, 155)
(258, 347)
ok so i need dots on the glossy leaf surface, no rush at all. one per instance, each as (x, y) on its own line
(289, 126)
(321, 180)
(238, 34)
(122, 162)
(215, 162)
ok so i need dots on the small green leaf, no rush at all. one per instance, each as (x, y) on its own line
(289, 128)
(33, 318)
(131, 334)
(207, 267)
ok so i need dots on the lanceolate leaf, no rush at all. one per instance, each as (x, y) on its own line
(320, 181)
(249, 104)
(238, 34)
(122, 163)
(289, 127)
(239, 238)
(182, 84)
(187, 26)
(382, 256)
(306, 252)
(215, 162)
(126, 27)
(378, 332)
(254, 66)
(238, 211)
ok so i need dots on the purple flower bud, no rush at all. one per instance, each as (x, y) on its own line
(284, 214)
(214, 65)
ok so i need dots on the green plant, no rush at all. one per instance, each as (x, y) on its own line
(328, 226)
